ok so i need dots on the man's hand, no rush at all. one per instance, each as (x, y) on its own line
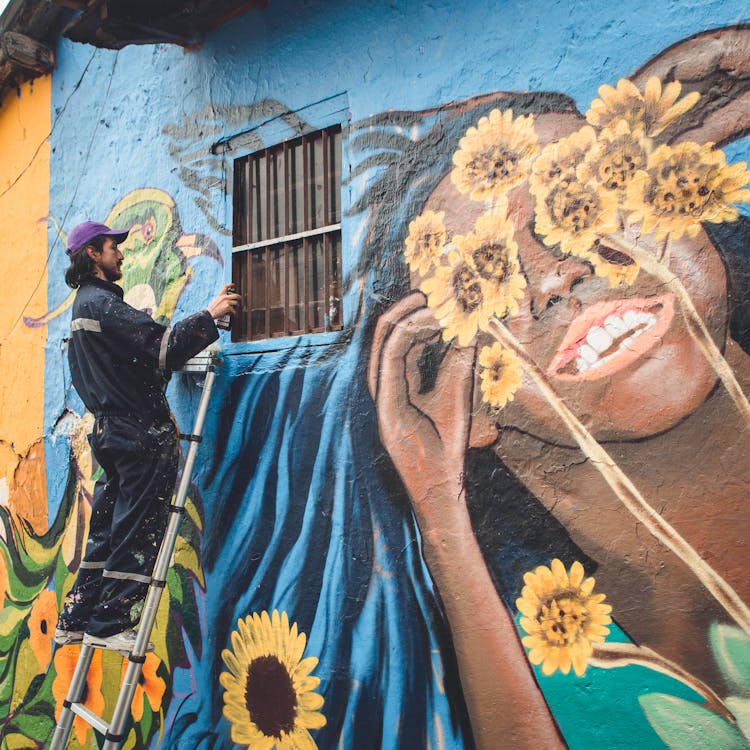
(226, 302)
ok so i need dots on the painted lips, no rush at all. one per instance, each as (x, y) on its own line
(609, 336)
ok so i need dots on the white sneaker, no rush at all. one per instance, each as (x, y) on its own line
(68, 637)
(122, 642)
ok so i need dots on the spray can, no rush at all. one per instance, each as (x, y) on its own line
(225, 321)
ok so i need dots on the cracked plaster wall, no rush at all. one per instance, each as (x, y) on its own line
(24, 201)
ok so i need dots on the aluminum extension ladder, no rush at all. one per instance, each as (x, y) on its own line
(115, 731)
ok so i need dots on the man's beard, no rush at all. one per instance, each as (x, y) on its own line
(113, 275)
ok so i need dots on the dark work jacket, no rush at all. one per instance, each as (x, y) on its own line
(121, 358)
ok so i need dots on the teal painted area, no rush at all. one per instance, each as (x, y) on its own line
(601, 709)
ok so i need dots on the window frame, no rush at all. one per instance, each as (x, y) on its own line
(329, 234)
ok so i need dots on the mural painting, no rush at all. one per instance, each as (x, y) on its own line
(40, 568)
(551, 403)
(486, 513)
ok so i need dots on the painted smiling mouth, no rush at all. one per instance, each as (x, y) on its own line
(611, 335)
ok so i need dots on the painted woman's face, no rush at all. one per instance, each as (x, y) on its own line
(622, 359)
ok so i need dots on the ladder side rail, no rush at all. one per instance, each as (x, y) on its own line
(116, 731)
(75, 692)
(164, 558)
(163, 561)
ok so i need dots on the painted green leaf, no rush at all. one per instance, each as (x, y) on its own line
(731, 649)
(14, 741)
(147, 718)
(26, 670)
(131, 741)
(740, 707)
(684, 725)
(39, 698)
(185, 555)
(36, 726)
(174, 584)
(37, 556)
(192, 512)
(11, 617)
(159, 632)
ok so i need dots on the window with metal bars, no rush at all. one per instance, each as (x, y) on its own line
(286, 255)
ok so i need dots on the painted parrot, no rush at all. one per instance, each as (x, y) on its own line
(156, 268)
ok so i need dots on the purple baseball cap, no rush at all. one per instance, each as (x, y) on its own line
(81, 235)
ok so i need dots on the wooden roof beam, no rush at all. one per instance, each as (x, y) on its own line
(26, 53)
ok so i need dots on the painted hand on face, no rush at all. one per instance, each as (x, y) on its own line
(425, 434)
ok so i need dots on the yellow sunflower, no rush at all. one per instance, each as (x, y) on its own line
(495, 156)
(42, 622)
(500, 375)
(492, 252)
(425, 241)
(269, 692)
(150, 686)
(615, 159)
(562, 617)
(575, 215)
(557, 164)
(463, 301)
(649, 112)
(66, 659)
(683, 186)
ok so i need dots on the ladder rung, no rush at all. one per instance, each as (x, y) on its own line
(90, 717)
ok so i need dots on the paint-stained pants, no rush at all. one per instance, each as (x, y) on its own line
(128, 520)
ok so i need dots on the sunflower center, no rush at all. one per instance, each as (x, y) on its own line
(430, 241)
(499, 164)
(495, 371)
(491, 261)
(618, 167)
(681, 189)
(270, 696)
(562, 619)
(574, 208)
(467, 288)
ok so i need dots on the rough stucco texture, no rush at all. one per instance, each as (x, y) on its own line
(24, 200)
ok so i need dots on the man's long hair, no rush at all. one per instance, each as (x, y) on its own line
(81, 264)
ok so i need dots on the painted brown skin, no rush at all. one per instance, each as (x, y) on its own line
(661, 416)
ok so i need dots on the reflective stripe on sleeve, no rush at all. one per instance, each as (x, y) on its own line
(163, 350)
(92, 565)
(126, 576)
(86, 324)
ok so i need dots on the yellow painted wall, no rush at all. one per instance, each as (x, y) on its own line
(24, 202)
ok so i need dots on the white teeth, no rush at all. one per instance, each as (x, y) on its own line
(598, 339)
(615, 326)
(588, 354)
(630, 318)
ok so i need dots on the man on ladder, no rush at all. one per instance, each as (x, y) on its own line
(120, 360)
